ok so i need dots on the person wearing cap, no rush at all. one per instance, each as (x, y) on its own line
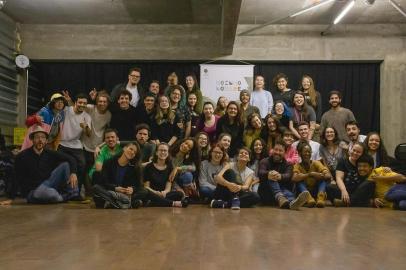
(44, 175)
(50, 117)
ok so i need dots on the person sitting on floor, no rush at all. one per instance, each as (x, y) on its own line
(384, 179)
(275, 175)
(107, 151)
(311, 175)
(209, 169)
(233, 184)
(156, 180)
(351, 189)
(44, 175)
(120, 183)
(185, 156)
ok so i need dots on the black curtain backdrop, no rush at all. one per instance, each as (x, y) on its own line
(358, 82)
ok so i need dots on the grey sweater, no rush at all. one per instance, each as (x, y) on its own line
(207, 173)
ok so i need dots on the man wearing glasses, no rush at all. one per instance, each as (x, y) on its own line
(132, 85)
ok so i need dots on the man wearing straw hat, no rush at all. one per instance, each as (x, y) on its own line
(44, 175)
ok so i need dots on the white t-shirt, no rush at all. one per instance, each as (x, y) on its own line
(99, 124)
(243, 175)
(135, 95)
(263, 100)
(315, 149)
(71, 130)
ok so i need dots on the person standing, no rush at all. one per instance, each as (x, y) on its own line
(261, 98)
(337, 116)
(132, 85)
(77, 124)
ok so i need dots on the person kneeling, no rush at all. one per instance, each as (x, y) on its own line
(120, 183)
(233, 183)
(310, 175)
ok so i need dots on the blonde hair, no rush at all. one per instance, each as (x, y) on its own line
(312, 91)
(160, 115)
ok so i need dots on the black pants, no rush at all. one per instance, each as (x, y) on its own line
(359, 197)
(266, 194)
(100, 190)
(159, 201)
(247, 198)
(79, 156)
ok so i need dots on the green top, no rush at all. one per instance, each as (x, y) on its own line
(105, 154)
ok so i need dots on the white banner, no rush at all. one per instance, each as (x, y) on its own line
(225, 80)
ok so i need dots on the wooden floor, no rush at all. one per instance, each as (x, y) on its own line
(69, 236)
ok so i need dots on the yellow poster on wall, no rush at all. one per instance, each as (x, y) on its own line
(19, 135)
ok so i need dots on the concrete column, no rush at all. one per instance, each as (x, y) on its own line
(393, 100)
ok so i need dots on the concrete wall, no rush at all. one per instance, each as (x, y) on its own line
(200, 42)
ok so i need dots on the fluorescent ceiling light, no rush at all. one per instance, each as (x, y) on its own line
(311, 7)
(398, 8)
(344, 11)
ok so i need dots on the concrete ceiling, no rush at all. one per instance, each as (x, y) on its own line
(262, 11)
(193, 12)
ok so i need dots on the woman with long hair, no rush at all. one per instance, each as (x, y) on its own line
(225, 141)
(181, 111)
(271, 132)
(258, 152)
(120, 183)
(245, 107)
(282, 92)
(165, 128)
(313, 97)
(203, 140)
(231, 123)
(253, 129)
(301, 112)
(282, 113)
(185, 157)
(192, 87)
(208, 121)
(194, 115)
(209, 169)
(156, 180)
(374, 146)
(330, 150)
(221, 106)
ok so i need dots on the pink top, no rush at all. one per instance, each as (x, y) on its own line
(291, 155)
(211, 131)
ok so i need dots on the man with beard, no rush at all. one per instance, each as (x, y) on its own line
(44, 175)
(275, 176)
(132, 85)
(107, 151)
(154, 88)
(76, 124)
(337, 116)
(142, 135)
(353, 133)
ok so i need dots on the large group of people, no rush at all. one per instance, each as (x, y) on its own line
(169, 147)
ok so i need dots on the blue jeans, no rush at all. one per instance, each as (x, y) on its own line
(50, 190)
(184, 179)
(397, 195)
(277, 191)
(319, 187)
(207, 192)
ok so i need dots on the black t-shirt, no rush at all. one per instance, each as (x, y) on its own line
(351, 177)
(157, 178)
